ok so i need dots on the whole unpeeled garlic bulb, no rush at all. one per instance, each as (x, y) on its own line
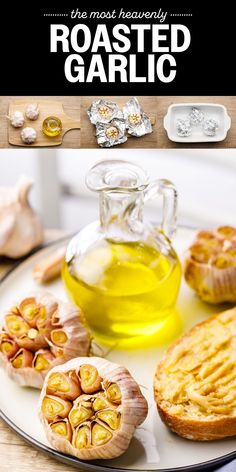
(20, 226)
(39, 333)
(28, 135)
(32, 111)
(90, 408)
(17, 119)
(210, 265)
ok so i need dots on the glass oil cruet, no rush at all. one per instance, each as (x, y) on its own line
(123, 271)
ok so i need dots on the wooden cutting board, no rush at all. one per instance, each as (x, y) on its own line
(47, 108)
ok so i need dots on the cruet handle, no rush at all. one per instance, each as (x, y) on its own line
(167, 190)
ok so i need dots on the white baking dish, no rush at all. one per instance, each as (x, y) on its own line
(211, 110)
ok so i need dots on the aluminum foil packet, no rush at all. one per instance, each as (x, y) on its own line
(104, 111)
(112, 133)
(137, 122)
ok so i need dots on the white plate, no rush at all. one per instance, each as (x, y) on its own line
(211, 110)
(154, 447)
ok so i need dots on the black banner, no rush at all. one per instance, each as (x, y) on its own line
(117, 50)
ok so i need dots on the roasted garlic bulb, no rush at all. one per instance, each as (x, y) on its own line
(90, 408)
(210, 265)
(39, 333)
(20, 226)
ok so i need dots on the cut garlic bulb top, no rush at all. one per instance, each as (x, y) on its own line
(17, 119)
(90, 408)
(38, 333)
(210, 265)
(20, 226)
(32, 111)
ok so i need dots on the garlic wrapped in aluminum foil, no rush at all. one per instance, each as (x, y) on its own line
(104, 111)
(38, 333)
(137, 122)
(112, 133)
(90, 408)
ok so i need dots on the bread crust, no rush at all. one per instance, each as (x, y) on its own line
(190, 428)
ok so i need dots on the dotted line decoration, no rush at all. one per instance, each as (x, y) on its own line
(181, 14)
(55, 14)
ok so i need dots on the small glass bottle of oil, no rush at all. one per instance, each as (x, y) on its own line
(122, 272)
(52, 126)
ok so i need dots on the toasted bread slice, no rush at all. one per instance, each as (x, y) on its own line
(195, 384)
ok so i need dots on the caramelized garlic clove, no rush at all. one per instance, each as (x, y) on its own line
(22, 358)
(110, 417)
(62, 428)
(114, 394)
(43, 360)
(49, 268)
(82, 437)
(59, 337)
(8, 347)
(100, 435)
(53, 407)
(63, 385)
(90, 379)
(100, 402)
(79, 414)
(15, 326)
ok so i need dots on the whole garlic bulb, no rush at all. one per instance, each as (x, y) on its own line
(17, 119)
(28, 135)
(32, 111)
(210, 265)
(38, 333)
(20, 227)
(90, 408)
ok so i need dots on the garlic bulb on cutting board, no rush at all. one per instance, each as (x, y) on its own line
(210, 265)
(90, 408)
(17, 119)
(38, 333)
(20, 226)
(32, 111)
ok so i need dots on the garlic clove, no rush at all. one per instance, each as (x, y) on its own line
(90, 379)
(50, 268)
(101, 429)
(63, 385)
(62, 428)
(54, 407)
(22, 358)
(20, 227)
(26, 350)
(43, 360)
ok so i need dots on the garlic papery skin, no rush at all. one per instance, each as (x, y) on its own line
(28, 135)
(27, 351)
(102, 424)
(210, 265)
(17, 119)
(20, 227)
(49, 268)
(32, 111)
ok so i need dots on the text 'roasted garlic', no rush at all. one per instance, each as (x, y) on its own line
(90, 408)
(39, 333)
(210, 265)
